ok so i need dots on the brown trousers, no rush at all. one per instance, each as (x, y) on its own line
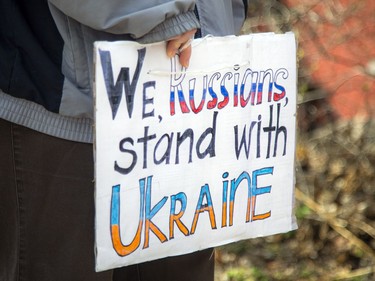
(47, 216)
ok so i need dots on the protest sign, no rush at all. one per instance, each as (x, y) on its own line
(187, 159)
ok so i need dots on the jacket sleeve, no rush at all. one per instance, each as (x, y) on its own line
(145, 20)
(240, 8)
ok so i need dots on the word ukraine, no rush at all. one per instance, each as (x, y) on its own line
(204, 205)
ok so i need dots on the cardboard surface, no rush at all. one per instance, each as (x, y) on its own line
(187, 159)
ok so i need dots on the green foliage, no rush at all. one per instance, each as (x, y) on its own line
(302, 212)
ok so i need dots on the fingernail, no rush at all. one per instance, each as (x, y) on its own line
(170, 54)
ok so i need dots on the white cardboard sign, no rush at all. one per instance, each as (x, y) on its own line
(187, 159)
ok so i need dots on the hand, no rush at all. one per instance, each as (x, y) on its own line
(176, 45)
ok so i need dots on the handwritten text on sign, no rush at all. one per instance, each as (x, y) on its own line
(188, 159)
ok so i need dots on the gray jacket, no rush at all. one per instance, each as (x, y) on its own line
(81, 22)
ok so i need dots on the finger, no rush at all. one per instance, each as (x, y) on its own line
(189, 34)
(185, 45)
(176, 43)
(172, 48)
(185, 57)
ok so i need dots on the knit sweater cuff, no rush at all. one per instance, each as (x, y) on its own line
(170, 28)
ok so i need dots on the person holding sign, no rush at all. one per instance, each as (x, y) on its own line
(46, 127)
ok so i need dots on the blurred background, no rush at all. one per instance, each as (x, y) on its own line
(335, 153)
